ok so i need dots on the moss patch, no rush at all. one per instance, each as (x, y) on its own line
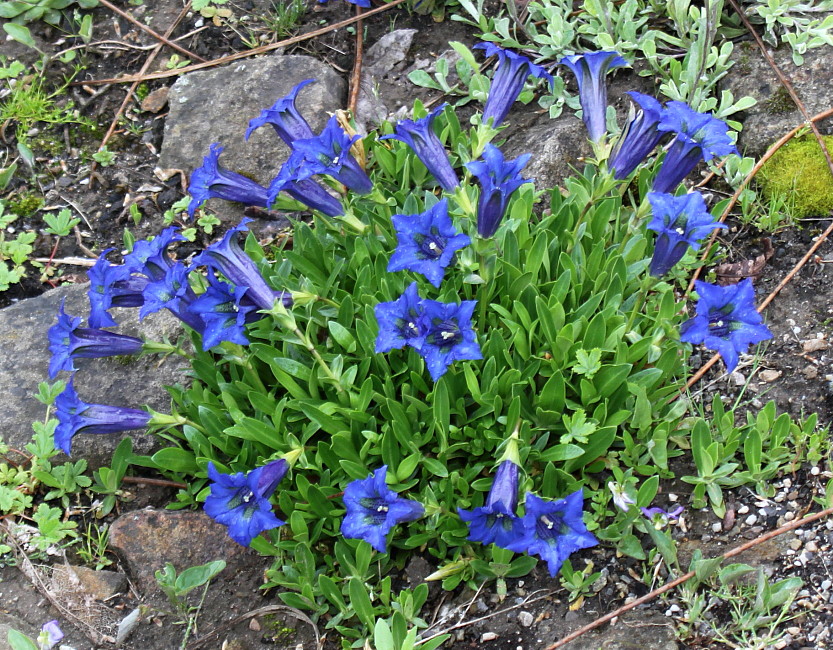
(799, 170)
(780, 102)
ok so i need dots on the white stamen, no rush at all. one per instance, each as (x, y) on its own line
(680, 231)
(447, 335)
(247, 498)
(433, 246)
(547, 522)
(412, 325)
(382, 509)
(336, 160)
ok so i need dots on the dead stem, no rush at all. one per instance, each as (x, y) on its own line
(244, 55)
(796, 523)
(162, 39)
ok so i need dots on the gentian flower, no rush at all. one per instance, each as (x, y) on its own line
(225, 312)
(241, 501)
(401, 322)
(427, 242)
(620, 497)
(419, 135)
(661, 518)
(726, 320)
(450, 336)
(498, 180)
(329, 154)
(508, 81)
(307, 192)
(359, 3)
(680, 222)
(112, 286)
(76, 416)
(213, 181)
(168, 291)
(639, 137)
(231, 260)
(284, 117)
(150, 257)
(373, 509)
(590, 69)
(553, 530)
(68, 341)
(496, 521)
(50, 635)
(698, 136)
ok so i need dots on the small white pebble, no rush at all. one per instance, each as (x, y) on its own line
(751, 520)
(815, 471)
(787, 482)
(673, 497)
(487, 636)
(811, 547)
(526, 619)
(743, 510)
(795, 631)
(716, 528)
(789, 516)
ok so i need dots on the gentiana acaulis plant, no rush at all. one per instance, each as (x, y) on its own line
(381, 350)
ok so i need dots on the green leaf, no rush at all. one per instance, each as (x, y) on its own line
(19, 641)
(21, 34)
(175, 459)
(360, 602)
(382, 636)
(197, 576)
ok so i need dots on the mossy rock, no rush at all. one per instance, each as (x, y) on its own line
(799, 171)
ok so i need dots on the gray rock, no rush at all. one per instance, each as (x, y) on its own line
(24, 348)
(378, 92)
(775, 114)
(147, 540)
(216, 106)
(556, 147)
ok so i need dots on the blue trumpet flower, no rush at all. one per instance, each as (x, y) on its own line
(373, 509)
(284, 117)
(698, 136)
(427, 242)
(553, 530)
(496, 522)
(241, 501)
(213, 181)
(450, 336)
(328, 154)
(112, 286)
(76, 416)
(225, 312)
(498, 180)
(508, 81)
(401, 322)
(639, 137)
(150, 257)
(231, 260)
(680, 222)
(726, 320)
(68, 341)
(419, 135)
(308, 192)
(590, 69)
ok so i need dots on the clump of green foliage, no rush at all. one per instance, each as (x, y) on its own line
(799, 169)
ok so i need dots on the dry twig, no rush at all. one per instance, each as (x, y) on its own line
(244, 55)
(356, 77)
(162, 39)
(796, 523)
